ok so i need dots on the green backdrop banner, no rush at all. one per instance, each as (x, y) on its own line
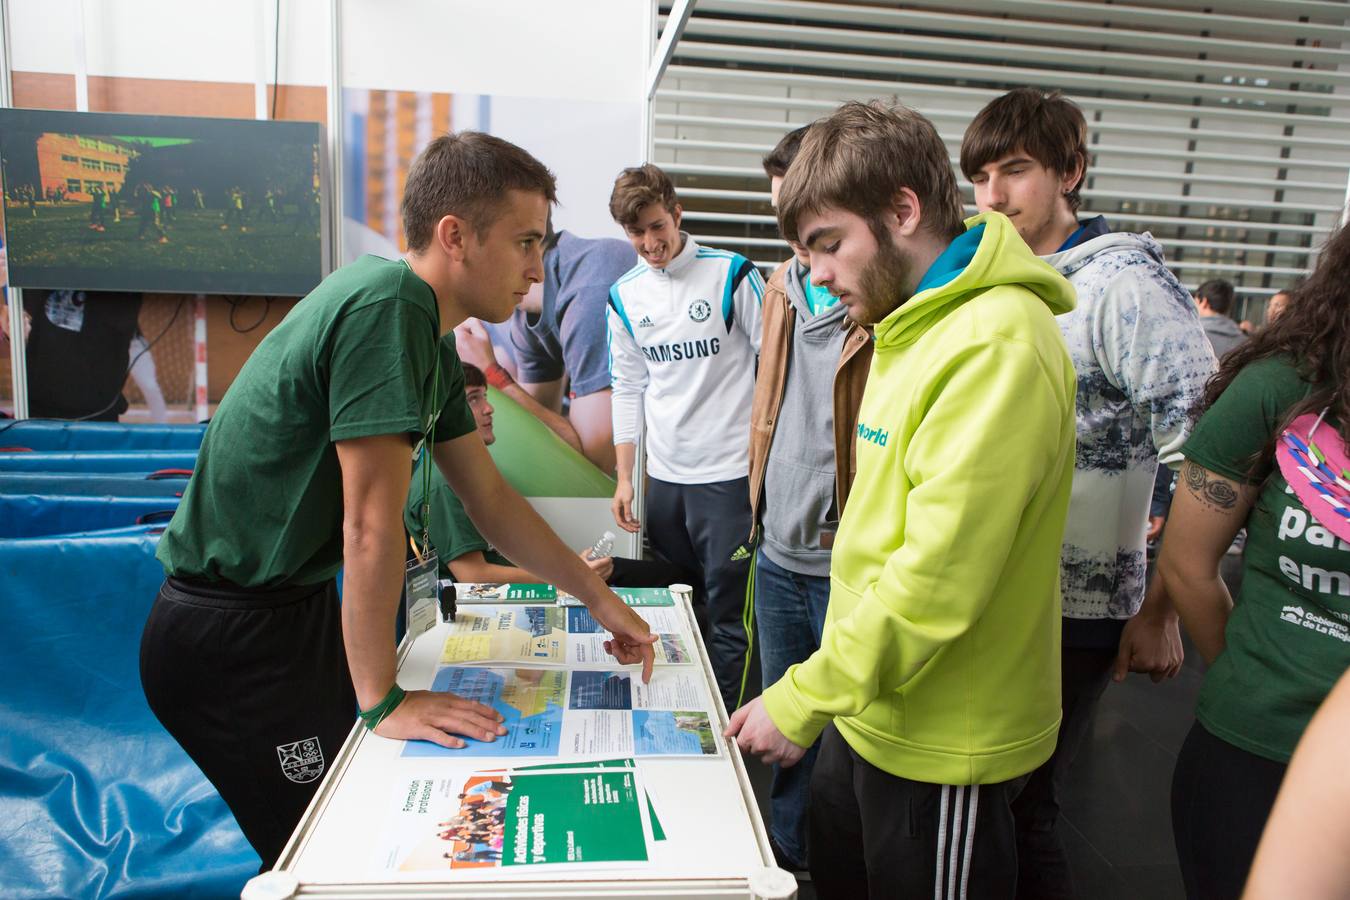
(537, 462)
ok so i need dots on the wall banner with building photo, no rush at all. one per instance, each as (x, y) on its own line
(173, 204)
(384, 130)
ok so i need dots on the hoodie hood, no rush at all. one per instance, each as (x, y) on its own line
(1067, 262)
(1221, 325)
(809, 321)
(1224, 334)
(990, 253)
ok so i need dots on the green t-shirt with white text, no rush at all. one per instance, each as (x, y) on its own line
(359, 356)
(1288, 638)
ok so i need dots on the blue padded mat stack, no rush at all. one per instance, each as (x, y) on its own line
(33, 507)
(93, 461)
(51, 434)
(98, 800)
(33, 504)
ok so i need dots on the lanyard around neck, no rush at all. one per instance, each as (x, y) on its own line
(425, 461)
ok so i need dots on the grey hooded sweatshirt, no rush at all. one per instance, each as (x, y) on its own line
(799, 496)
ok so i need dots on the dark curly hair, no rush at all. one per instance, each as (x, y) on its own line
(1313, 330)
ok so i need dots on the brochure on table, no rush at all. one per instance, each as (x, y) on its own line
(501, 592)
(461, 818)
(566, 636)
(633, 596)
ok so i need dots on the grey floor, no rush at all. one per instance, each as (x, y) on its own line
(1117, 823)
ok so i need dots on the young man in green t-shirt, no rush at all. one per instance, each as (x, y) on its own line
(247, 658)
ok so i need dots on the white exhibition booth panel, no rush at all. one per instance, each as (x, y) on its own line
(580, 520)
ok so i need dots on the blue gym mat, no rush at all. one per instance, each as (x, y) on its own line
(142, 462)
(56, 434)
(97, 799)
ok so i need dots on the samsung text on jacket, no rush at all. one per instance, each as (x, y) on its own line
(682, 350)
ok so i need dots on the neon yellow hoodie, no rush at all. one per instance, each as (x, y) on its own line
(940, 657)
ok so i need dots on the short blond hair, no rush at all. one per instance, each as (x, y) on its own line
(860, 157)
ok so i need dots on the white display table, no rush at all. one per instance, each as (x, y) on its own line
(716, 844)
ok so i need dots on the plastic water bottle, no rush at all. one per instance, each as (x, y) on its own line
(603, 547)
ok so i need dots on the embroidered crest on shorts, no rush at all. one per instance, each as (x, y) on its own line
(301, 762)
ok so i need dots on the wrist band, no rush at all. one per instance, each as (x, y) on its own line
(371, 718)
(498, 377)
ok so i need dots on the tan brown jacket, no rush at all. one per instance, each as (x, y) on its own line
(850, 377)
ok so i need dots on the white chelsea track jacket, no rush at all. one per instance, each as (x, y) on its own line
(682, 347)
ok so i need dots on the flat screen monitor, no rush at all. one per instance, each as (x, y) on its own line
(109, 202)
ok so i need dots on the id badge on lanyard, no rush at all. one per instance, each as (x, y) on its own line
(420, 579)
(419, 587)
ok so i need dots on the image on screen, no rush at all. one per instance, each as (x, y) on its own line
(98, 201)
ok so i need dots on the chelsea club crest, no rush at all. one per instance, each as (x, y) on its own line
(699, 310)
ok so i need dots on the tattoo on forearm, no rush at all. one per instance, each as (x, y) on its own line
(1213, 490)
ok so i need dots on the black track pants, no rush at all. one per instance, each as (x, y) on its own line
(876, 835)
(254, 686)
(698, 527)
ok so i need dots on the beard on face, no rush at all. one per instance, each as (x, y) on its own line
(881, 287)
